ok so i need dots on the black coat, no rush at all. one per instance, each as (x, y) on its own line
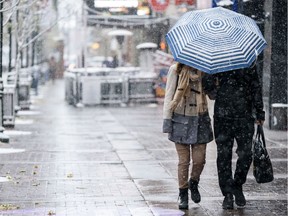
(237, 94)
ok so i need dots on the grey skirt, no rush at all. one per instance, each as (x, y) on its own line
(191, 129)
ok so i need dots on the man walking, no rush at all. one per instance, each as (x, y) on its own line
(238, 102)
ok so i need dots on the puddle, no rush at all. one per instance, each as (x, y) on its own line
(24, 121)
(166, 212)
(10, 150)
(28, 112)
(15, 132)
(4, 179)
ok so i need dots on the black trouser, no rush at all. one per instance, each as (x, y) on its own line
(226, 130)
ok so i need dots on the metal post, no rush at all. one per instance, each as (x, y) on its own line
(16, 43)
(10, 45)
(3, 137)
(84, 39)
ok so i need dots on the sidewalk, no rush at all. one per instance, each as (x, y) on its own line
(114, 161)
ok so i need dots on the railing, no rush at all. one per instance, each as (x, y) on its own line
(93, 86)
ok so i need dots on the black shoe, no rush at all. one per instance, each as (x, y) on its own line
(183, 196)
(228, 201)
(239, 196)
(195, 195)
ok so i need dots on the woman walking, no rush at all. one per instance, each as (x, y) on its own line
(187, 122)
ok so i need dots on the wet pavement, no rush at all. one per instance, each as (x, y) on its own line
(114, 160)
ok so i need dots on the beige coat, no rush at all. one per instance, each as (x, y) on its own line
(191, 104)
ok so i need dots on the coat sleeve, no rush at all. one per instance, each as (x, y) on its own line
(209, 85)
(257, 98)
(169, 93)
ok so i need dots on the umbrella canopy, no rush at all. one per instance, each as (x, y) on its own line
(215, 40)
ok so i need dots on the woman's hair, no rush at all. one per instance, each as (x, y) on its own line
(179, 68)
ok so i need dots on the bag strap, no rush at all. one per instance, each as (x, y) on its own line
(260, 135)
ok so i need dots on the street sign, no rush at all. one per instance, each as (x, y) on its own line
(159, 5)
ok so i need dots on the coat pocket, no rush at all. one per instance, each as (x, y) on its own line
(179, 126)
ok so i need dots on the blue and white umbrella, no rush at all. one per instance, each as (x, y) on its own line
(215, 40)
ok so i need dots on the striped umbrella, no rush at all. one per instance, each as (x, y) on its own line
(215, 40)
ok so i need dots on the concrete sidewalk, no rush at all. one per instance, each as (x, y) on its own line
(114, 161)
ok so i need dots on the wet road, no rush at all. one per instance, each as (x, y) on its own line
(113, 161)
